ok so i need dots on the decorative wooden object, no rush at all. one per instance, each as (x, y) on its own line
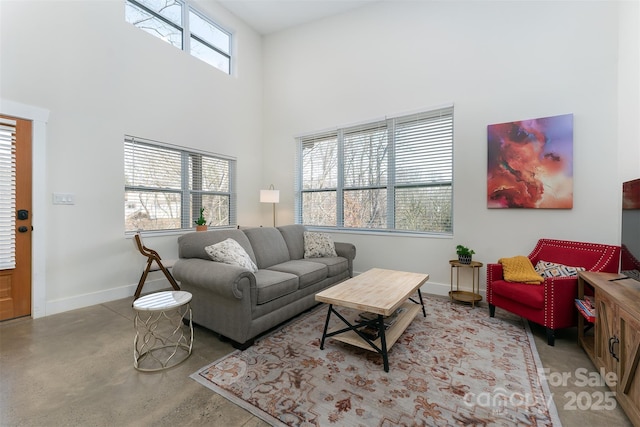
(613, 343)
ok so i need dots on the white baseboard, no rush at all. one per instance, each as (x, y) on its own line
(433, 288)
(86, 300)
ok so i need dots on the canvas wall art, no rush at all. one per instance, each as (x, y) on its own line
(530, 163)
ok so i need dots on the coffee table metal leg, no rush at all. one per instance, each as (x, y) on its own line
(326, 325)
(424, 313)
(383, 343)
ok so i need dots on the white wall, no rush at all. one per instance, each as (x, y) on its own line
(497, 62)
(101, 78)
(629, 90)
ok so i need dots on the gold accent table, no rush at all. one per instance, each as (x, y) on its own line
(380, 292)
(466, 296)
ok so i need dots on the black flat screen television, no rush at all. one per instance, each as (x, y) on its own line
(630, 241)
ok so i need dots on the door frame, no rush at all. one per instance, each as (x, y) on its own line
(39, 117)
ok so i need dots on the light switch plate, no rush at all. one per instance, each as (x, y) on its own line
(64, 199)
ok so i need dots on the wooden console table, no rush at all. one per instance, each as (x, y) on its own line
(613, 343)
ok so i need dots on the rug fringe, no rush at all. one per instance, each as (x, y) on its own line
(553, 410)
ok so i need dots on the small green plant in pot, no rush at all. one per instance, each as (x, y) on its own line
(201, 222)
(464, 254)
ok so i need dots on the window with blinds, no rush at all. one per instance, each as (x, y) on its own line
(389, 175)
(7, 194)
(182, 26)
(166, 186)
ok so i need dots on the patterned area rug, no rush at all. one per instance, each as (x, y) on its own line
(457, 366)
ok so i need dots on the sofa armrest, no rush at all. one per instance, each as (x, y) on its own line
(348, 251)
(224, 280)
(494, 272)
(560, 293)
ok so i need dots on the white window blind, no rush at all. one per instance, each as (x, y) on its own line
(166, 186)
(394, 174)
(7, 194)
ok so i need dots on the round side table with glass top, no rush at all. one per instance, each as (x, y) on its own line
(472, 296)
(162, 338)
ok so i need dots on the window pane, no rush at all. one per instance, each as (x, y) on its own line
(365, 208)
(319, 208)
(210, 56)
(170, 9)
(320, 163)
(153, 25)
(365, 158)
(424, 209)
(154, 167)
(391, 174)
(216, 209)
(152, 210)
(209, 33)
(165, 187)
(208, 173)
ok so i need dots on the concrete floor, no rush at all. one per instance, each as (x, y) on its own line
(76, 369)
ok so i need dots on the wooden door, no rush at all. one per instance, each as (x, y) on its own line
(15, 283)
(628, 392)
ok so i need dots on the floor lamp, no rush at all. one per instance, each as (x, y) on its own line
(271, 196)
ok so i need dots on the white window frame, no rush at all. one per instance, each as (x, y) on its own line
(190, 196)
(434, 156)
(187, 34)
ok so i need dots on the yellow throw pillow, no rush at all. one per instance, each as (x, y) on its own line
(519, 269)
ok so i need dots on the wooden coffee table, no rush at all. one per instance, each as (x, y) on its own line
(380, 292)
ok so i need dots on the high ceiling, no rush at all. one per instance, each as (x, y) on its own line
(270, 16)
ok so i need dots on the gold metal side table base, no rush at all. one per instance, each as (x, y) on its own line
(465, 296)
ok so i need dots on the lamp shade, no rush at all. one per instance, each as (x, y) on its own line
(270, 196)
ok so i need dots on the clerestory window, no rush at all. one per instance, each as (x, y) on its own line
(179, 24)
(393, 175)
(166, 186)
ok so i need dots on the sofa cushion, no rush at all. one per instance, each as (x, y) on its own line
(230, 252)
(272, 284)
(335, 265)
(552, 269)
(318, 245)
(191, 245)
(268, 246)
(531, 295)
(308, 272)
(293, 235)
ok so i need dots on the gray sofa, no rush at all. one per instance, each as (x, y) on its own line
(238, 304)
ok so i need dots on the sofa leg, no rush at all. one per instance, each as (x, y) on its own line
(240, 345)
(551, 337)
(492, 310)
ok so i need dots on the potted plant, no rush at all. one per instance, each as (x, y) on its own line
(201, 222)
(464, 254)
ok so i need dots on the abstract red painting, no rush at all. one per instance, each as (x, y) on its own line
(530, 163)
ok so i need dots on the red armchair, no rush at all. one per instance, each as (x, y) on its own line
(550, 304)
